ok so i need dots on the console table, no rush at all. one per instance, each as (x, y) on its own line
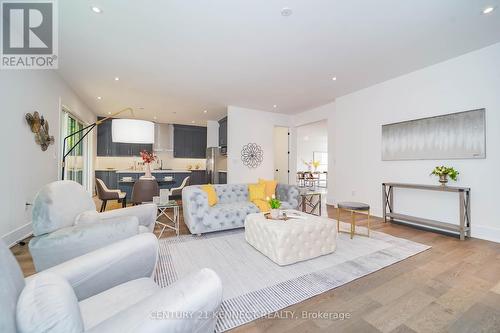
(463, 228)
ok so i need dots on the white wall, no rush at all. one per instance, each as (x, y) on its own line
(25, 168)
(311, 138)
(467, 82)
(251, 126)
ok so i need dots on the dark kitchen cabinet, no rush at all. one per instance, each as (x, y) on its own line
(223, 132)
(222, 177)
(190, 141)
(198, 177)
(109, 178)
(106, 146)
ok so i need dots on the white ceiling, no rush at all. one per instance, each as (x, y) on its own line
(178, 58)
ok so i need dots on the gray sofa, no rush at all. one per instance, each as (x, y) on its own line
(231, 209)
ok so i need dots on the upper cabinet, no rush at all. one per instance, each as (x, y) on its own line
(106, 146)
(223, 132)
(190, 141)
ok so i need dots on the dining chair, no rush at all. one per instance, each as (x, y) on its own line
(104, 194)
(144, 190)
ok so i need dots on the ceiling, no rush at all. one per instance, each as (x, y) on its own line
(178, 58)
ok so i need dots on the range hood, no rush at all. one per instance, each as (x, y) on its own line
(164, 138)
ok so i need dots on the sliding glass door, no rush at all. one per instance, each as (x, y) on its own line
(77, 161)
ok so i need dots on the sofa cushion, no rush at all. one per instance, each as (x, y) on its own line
(232, 192)
(48, 304)
(256, 192)
(270, 186)
(210, 191)
(102, 306)
(57, 205)
(229, 215)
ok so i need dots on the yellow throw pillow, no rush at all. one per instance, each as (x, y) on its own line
(256, 192)
(263, 205)
(212, 196)
(270, 186)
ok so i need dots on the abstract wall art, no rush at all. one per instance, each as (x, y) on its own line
(252, 155)
(459, 135)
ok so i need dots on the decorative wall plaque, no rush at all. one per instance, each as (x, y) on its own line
(40, 127)
(252, 155)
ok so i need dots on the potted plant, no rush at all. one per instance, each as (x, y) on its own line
(443, 172)
(275, 204)
(147, 158)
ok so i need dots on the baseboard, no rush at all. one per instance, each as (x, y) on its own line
(18, 234)
(486, 233)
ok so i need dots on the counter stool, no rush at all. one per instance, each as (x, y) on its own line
(353, 207)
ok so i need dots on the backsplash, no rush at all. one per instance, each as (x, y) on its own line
(169, 162)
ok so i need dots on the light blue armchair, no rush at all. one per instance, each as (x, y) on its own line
(231, 209)
(107, 290)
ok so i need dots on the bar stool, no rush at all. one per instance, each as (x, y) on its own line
(353, 207)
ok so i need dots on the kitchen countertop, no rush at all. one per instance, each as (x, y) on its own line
(153, 171)
(223, 171)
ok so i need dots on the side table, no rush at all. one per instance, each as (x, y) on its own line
(310, 203)
(173, 222)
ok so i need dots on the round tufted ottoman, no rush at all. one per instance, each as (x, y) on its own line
(287, 242)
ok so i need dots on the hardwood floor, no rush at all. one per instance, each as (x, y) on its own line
(453, 287)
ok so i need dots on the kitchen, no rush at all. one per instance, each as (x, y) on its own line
(181, 151)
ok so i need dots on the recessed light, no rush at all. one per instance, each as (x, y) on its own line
(192, 121)
(109, 112)
(488, 10)
(286, 12)
(154, 118)
(334, 78)
(205, 111)
(117, 78)
(99, 97)
(275, 106)
(96, 10)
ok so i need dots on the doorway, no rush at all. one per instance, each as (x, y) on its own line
(282, 155)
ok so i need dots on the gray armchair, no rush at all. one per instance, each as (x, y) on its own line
(108, 290)
(67, 225)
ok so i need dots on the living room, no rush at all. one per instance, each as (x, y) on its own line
(291, 166)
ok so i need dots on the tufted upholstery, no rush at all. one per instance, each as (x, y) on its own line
(232, 207)
(291, 241)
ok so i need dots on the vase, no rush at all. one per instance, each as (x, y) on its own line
(147, 171)
(275, 213)
(443, 179)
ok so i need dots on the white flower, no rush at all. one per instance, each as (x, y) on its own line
(267, 198)
(273, 196)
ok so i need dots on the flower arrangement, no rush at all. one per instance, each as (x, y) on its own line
(443, 172)
(273, 202)
(148, 157)
(312, 164)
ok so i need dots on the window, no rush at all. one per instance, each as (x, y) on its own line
(322, 157)
(77, 162)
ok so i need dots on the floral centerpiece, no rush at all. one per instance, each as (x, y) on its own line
(311, 165)
(443, 172)
(148, 158)
(275, 204)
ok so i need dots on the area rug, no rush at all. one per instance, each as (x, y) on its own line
(254, 286)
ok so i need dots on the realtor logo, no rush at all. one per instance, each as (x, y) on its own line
(29, 35)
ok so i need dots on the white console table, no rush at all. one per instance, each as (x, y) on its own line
(463, 228)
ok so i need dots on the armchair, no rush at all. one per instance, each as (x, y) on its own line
(67, 225)
(107, 290)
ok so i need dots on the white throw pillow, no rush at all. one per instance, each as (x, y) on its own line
(48, 304)
(88, 217)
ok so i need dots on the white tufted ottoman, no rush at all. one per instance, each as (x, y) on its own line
(287, 242)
